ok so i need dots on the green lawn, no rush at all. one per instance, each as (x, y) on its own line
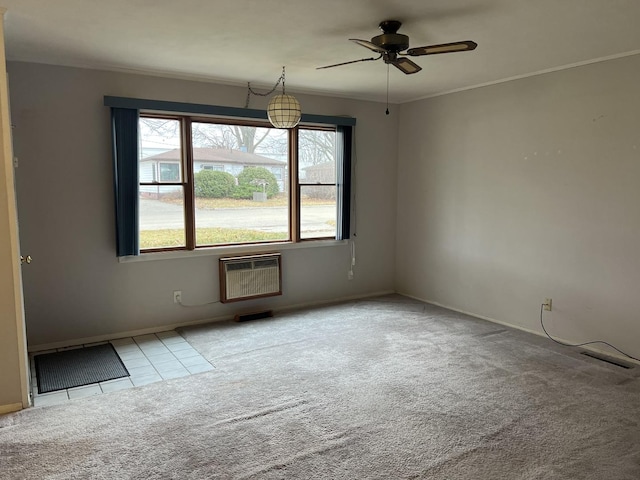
(213, 203)
(167, 238)
(204, 236)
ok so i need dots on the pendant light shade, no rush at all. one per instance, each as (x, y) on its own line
(284, 111)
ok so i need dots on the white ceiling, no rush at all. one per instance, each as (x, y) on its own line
(240, 41)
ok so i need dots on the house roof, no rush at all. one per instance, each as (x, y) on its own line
(217, 155)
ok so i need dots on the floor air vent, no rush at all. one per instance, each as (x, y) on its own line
(250, 276)
(245, 317)
(612, 361)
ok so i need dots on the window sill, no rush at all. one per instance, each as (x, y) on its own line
(230, 250)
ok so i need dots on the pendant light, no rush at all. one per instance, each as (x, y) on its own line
(283, 110)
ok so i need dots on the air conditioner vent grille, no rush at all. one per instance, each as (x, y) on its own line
(231, 266)
(265, 263)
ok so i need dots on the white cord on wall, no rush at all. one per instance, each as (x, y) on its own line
(602, 342)
(352, 263)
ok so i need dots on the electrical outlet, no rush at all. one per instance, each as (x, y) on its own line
(547, 304)
(177, 296)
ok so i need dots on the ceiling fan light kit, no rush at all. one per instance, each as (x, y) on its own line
(283, 110)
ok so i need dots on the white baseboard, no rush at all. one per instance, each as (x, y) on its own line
(333, 301)
(173, 326)
(128, 333)
(518, 327)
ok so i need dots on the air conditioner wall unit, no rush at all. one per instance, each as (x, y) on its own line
(250, 276)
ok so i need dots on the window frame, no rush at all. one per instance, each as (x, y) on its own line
(125, 114)
(186, 171)
(300, 184)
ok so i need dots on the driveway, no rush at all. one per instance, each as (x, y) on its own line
(156, 215)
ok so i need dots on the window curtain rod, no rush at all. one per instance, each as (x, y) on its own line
(196, 108)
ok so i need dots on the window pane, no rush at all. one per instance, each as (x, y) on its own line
(240, 183)
(161, 216)
(318, 211)
(160, 150)
(317, 156)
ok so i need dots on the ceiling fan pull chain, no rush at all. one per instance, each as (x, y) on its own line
(387, 112)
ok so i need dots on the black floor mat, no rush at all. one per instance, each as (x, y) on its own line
(77, 367)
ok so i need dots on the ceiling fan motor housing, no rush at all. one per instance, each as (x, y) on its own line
(392, 42)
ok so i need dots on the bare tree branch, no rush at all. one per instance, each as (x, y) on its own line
(315, 146)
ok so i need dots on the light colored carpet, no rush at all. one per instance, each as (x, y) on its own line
(380, 388)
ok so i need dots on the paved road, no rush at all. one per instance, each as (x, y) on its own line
(155, 215)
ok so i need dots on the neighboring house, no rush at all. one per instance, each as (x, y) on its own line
(165, 167)
(320, 174)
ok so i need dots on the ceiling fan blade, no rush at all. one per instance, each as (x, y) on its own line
(406, 66)
(347, 63)
(443, 48)
(369, 45)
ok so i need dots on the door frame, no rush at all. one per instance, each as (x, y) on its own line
(15, 308)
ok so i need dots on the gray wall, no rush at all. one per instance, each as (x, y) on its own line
(76, 288)
(505, 195)
(524, 190)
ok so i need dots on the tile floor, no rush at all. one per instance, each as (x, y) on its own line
(148, 358)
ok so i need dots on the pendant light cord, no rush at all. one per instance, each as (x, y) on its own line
(251, 91)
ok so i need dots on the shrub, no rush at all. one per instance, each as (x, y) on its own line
(213, 184)
(251, 179)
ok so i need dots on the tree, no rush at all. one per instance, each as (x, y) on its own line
(232, 137)
(213, 184)
(316, 146)
(256, 179)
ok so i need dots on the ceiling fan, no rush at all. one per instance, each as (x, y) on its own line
(391, 46)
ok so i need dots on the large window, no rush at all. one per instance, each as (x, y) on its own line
(194, 181)
(221, 183)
